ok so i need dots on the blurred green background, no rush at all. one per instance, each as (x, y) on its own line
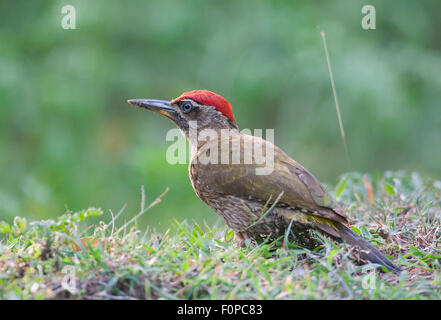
(69, 140)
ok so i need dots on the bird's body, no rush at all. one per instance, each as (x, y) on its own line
(240, 196)
(254, 204)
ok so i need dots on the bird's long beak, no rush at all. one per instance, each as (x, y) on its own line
(159, 106)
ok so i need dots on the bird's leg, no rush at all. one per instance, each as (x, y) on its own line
(240, 238)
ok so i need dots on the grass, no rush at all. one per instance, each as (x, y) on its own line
(71, 258)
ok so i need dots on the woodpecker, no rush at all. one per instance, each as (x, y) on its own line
(252, 204)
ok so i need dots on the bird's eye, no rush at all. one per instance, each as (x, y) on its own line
(186, 107)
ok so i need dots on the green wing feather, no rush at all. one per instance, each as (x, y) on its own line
(300, 188)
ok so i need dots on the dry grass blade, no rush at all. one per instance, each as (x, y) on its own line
(142, 198)
(154, 203)
(116, 217)
(337, 106)
(368, 187)
(264, 214)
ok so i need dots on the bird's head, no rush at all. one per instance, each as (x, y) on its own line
(206, 109)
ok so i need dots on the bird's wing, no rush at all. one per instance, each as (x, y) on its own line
(300, 188)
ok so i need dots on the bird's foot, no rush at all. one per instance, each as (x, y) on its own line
(240, 238)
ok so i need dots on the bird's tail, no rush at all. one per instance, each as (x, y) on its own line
(366, 250)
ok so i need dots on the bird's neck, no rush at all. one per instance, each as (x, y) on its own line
(200, 137)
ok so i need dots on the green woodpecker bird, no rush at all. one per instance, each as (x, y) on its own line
(224, 172)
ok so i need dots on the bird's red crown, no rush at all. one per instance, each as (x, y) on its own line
(208, 98)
